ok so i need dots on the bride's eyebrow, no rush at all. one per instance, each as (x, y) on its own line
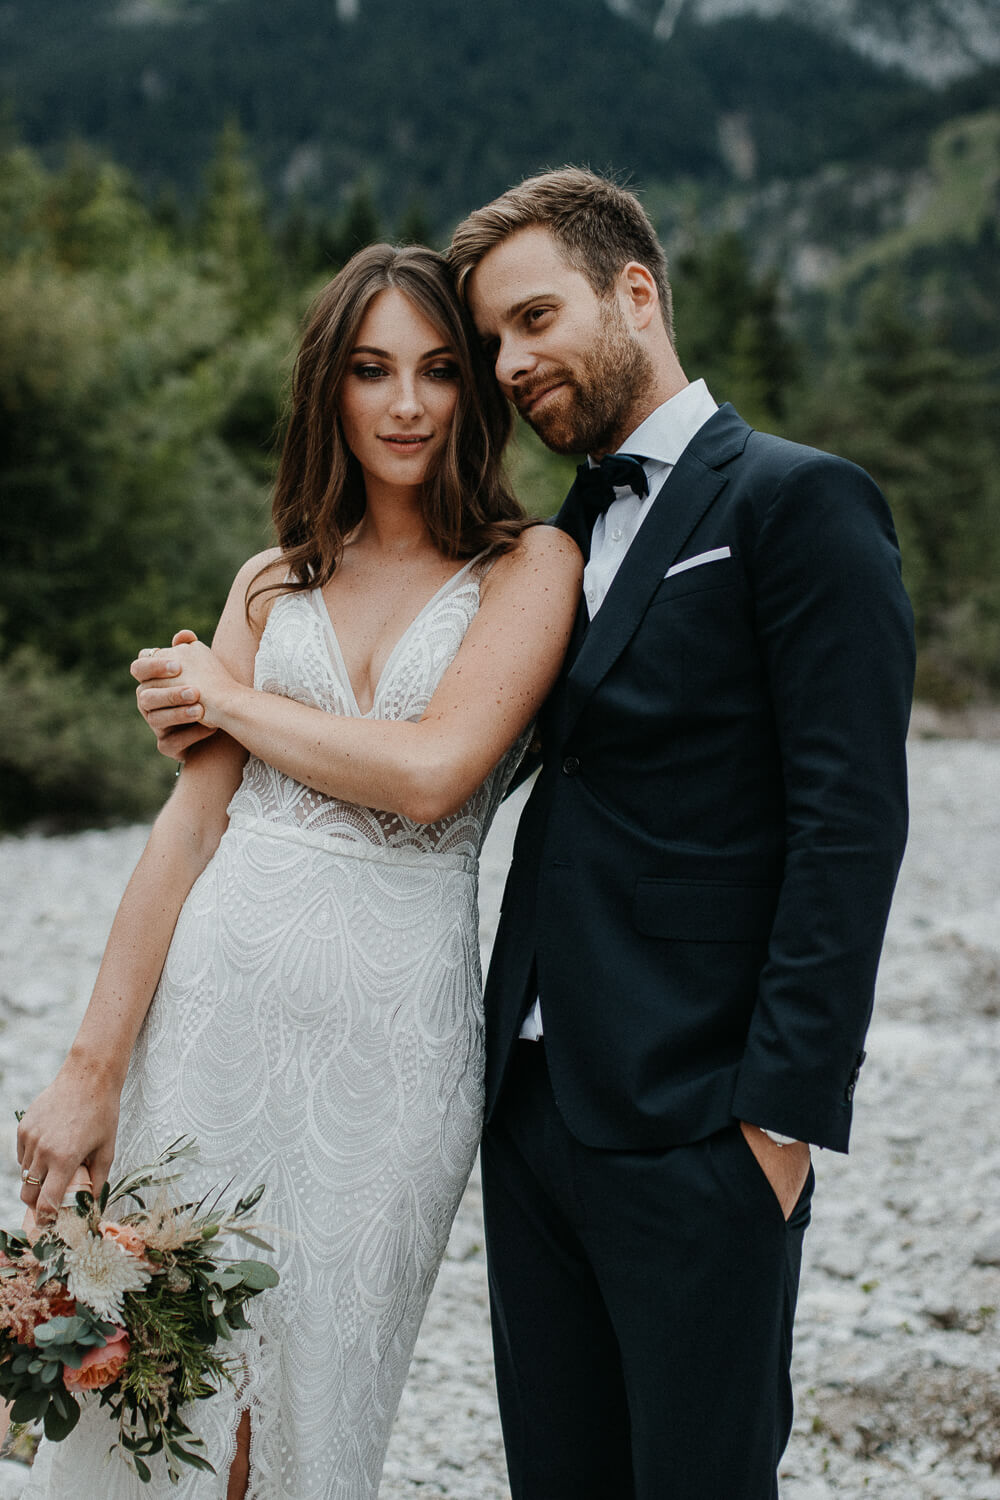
(384, 353)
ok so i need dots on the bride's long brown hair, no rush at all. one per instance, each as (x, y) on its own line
(319, 494)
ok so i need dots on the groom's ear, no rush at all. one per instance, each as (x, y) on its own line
(639, 294)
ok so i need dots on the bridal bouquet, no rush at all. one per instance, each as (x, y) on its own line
(134, 1308)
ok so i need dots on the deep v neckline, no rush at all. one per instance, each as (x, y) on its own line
(337, 654)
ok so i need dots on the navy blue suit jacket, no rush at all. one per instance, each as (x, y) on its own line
(703, 871)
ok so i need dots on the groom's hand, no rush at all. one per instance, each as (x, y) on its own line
(785, 1167)
(172, 715)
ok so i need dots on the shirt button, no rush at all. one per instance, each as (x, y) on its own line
(616, 535)
(591, 594)
(571, 765)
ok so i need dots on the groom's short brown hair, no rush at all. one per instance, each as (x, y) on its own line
(598, 225)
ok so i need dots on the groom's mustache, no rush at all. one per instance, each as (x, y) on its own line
(527, 391)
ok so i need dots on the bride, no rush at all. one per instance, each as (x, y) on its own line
(293, 975)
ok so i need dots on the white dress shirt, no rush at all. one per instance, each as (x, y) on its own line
(659, 441)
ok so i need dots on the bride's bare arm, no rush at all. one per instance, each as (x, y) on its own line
(493, 689)
(75, 1119)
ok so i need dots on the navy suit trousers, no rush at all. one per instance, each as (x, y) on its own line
(642, 1306)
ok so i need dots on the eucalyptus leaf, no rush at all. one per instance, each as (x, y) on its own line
(256, 1274)
(59, 1424)
(251, 1238)
(29, 1406)
(62, 1330)
(194, 1459)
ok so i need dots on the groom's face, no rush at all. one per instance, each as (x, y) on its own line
(566, 357)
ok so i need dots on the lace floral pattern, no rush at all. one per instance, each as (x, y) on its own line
(318, 1027)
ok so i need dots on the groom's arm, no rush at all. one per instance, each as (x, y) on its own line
(836, 637)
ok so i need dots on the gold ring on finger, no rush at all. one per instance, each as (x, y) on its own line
(33, 1181)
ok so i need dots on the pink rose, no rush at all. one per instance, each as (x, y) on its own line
(124, 1235)
(100, 1366)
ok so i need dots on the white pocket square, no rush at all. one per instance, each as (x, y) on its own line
(695, 562)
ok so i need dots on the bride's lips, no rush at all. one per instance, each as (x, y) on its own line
(406, 442)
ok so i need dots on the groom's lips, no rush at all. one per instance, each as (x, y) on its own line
(528, 403)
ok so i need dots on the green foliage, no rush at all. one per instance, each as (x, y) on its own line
(144, 344)
(729, 329)
(360, 226)
(237, 252)
(139, 387)
(72, 751)
(415, 227)
(921, 418)
(540, 479)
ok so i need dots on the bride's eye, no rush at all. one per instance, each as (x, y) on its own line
(367, 371)
(447, 370)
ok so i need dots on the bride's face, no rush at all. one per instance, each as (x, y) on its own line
(398, 396)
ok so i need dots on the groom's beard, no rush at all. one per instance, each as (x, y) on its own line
(595, 410)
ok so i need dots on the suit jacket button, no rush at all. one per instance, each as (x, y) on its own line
(571, 766)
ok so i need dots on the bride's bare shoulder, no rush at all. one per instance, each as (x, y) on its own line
(257, 584)
(542, 553)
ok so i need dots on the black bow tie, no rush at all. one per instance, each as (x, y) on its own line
(595, 487)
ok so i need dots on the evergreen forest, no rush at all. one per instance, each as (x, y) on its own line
(155, 264)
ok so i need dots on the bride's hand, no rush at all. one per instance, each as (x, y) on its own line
(72, 1123)
(202, 674)
(80, 1181)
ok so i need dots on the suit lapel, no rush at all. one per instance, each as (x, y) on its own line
(688, 492)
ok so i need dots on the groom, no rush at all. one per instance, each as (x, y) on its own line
(683, 974)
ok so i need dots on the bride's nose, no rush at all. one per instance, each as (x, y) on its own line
(406, 402)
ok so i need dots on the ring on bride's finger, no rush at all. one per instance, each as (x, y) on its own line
(33, 1181)
(24, 1174)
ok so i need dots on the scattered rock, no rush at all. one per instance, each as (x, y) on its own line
(895, 1369)
(987, 1252)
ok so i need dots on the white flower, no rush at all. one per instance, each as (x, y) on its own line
(72, 1228)
(100, 1272)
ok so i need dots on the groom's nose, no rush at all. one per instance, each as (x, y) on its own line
(514, 361)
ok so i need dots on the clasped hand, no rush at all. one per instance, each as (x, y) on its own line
(180, 693)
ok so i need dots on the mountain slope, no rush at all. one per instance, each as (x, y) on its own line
(935, 40)
(451, 101)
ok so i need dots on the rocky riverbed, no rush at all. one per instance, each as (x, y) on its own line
(897, 1362)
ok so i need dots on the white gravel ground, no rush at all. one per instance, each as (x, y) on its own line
(897, 1360)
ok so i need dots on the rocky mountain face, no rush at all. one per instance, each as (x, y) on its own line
(809, 127)
(933, 40)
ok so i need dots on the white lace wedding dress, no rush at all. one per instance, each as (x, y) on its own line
(317, 1027)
